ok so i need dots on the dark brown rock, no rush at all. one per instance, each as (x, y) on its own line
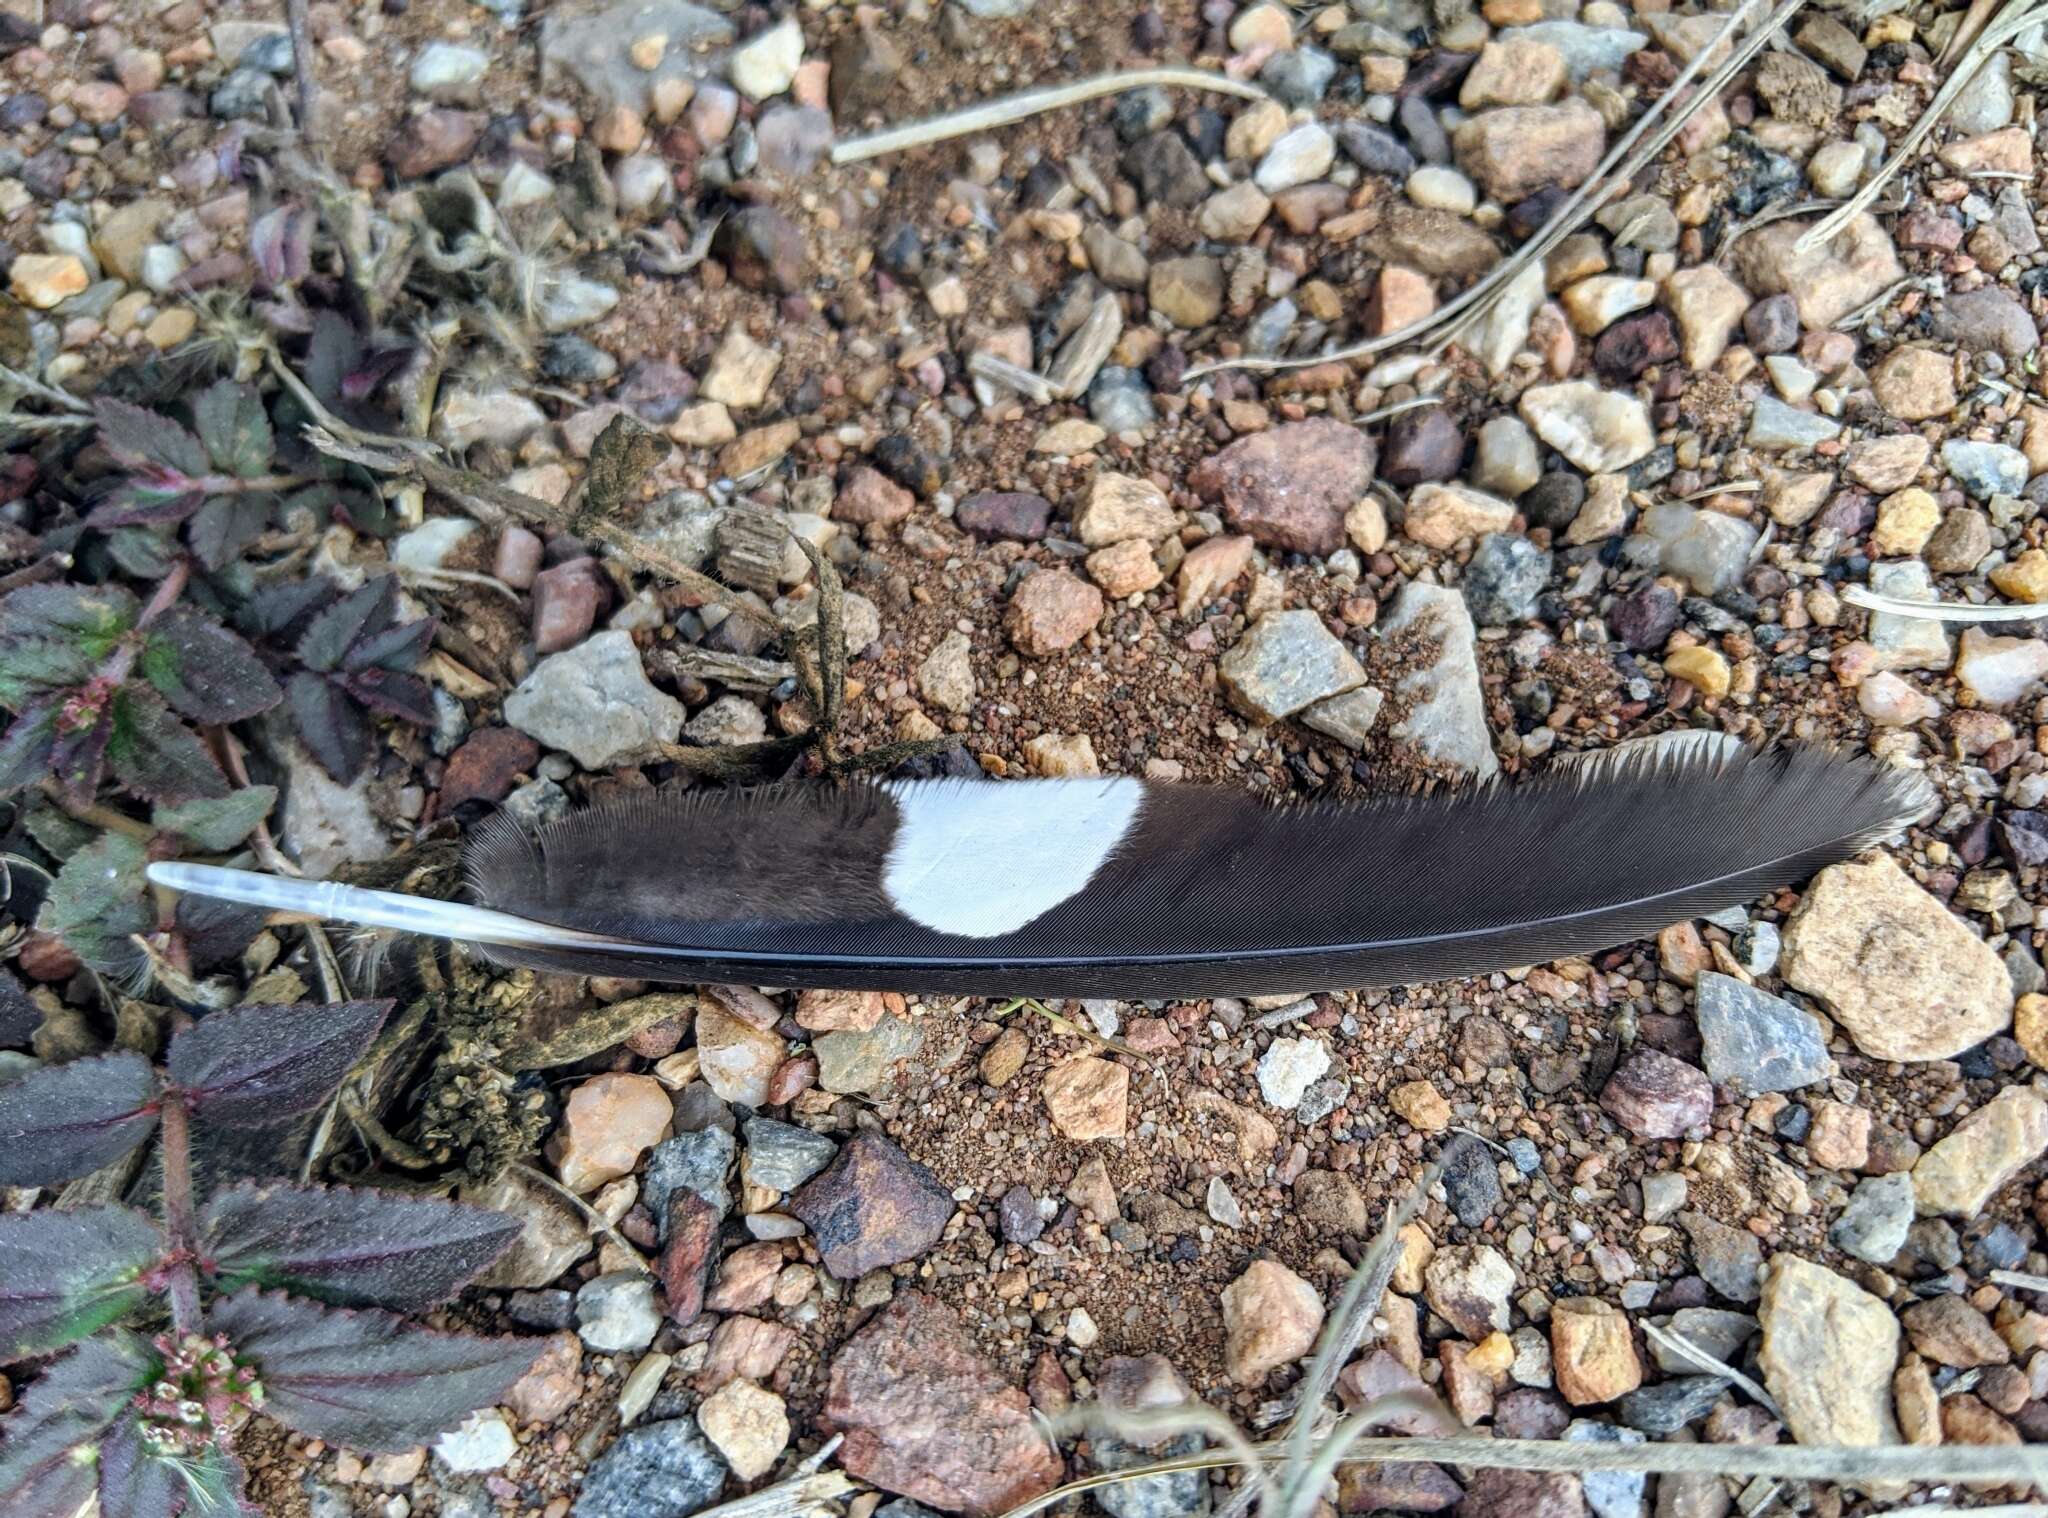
(1422, 445)
(1655, 1096)
(686, 1257)
(1772, 325)
(434, 140)
(1013, 514)
(1290, 487)
(1634, 343)
(864, 64)
(927, 1418)
(872, 1206)
(1523, 1494)
(1416, 1487)
(487, 766)
(1434, 242)
(764, 249)
(1949, 1331)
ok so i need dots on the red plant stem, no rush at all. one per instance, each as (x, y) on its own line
(179, 1222)
(115, 670)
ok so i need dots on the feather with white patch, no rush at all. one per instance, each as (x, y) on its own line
(1121, 888)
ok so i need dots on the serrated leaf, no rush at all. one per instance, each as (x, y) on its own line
(98, 900)
(363, 612)
(215, 931)
(330, 723)
(70, 1405)
(59, 833)
(155, 755)
(139, 438)
(205, 671)
(64, 1121)
(144, 552)
(66, 1275)
(407, 697)
(79, 757)
(25, 751)
(365, 1379)
(349, 1248)
(54, 637)
(255, 1067)
(331, 352)
(227, 524)
(218, 825)
(276, 609)
(151, 498)
(398, 647)
(234, 428)
(134, 1480)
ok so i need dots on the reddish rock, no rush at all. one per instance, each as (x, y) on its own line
(1013, 514)
(686, 1258)
(518, 558)
(1655, 1096)
(872, 1206)
(487, 766)
(551, 1388)
(1051, 611)
(566, 603)
(927, 1418)
(871, 496)
(744, 1349)
(792, 1077)
(1290, 487)
(1523, 1494)
(434, 140)
(45, 957)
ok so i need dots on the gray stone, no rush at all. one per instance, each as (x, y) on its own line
(850, 1062)
(592, 44)
(1726, 1258)
(1757, 1042)
(697, 1161)
(1299, 76)
(1287, 661)
(1609, 1494)
(1781, 428)
(1180, 1494)
(1985, 469)
(1586, 49)
(1873, 1226)
(1374, 149)
(659, 1470)
(616, 1313)
(683, 524)
(1506, 575)
(1986, 102)
(1987, 319)
(1120, 400)
(594, 703)
(1708, 550)
(447, 72)
(1348, 718)
(1714, 1330)
(1445, 707)
(1287, 1069)
(1670, 1405)
(1907, 642)
(782, 1156)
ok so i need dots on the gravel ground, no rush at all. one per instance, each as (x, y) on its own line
(1633, 499)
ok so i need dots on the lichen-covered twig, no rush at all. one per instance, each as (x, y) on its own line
(989, 114)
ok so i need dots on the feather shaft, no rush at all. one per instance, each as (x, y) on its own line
(1133, 890)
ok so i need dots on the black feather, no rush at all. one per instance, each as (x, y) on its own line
(1212, 892)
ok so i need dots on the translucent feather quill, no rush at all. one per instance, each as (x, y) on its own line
(1121, 888)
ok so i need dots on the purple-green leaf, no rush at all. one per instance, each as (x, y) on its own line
(364, 1379)
(406, 697)
(79, 756)
(330, 723)
(135, 1481)
(227, 524)
(350, 1248)
(31, 741)
(234, 428)
(44, 1472)
(99, 900)
(397, 647)
(139, 438)
(54, 637)
(66, 1275)
(19, 1017)
(155, 755)
(255, 1067)
(205, 671)
(64, 1121)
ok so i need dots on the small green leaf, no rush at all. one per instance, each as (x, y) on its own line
(59, 834)
(233, 427)
(155, 755)
(205, 671)
(53, 637)
(140, 439)
(99, 900)
(221, 824)
(144, 552)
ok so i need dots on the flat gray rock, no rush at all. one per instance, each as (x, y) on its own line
(1757, 1042)
(593, 46)
(1443, 710)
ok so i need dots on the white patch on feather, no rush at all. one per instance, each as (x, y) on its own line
(981, 860)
